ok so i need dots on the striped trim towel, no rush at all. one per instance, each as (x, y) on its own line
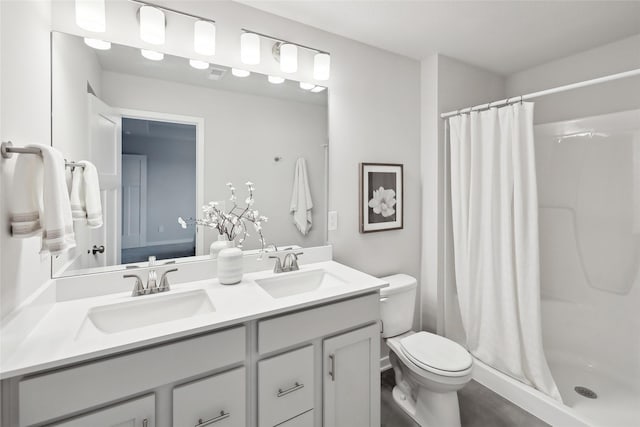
(85, 195)
(40, 200)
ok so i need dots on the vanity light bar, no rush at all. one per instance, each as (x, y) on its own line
(275, 39)
(168, 9)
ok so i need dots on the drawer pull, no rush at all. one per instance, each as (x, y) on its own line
(332, 369)
(222, 416)
(297, 386)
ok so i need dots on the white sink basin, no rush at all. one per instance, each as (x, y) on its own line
(287, 284)
(149, 310)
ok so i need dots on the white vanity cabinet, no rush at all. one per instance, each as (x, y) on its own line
(314, 367)
(351, 383)
(83, 388)
(344, 340)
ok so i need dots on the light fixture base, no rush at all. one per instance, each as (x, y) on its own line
(275, 51)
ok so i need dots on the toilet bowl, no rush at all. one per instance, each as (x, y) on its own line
(429, 369)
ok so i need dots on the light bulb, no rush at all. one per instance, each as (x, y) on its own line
(204, 38)
(239, 72)
(199, 65)
(152, 25)
(306, 86)
(250, 48)
(321, 66)
(152, 55)
(97, 43)
(90, 15)
(276, 80)
(288, 58)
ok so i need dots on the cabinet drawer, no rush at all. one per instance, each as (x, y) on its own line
(112, 379)
(304, 420)
(219, 400)
(303, 326)
(285, 386)
(134, 413)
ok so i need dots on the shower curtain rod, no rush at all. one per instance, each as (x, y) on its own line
(538, 94)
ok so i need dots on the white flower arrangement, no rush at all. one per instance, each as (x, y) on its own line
(231, 224)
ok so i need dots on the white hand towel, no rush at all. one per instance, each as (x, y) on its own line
(26, 196)
(77, 196)
(301, 203)
(92, 195)
(58, 226)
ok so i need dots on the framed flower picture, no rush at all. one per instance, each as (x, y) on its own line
(381, 197)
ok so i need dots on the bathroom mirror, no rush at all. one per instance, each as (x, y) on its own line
(166, 138)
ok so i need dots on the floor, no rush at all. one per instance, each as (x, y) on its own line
(479, 407)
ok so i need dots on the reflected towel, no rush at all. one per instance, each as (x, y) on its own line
(301, 203)
(26, 196)
(77, 197)
(91, 189)
(58, 234)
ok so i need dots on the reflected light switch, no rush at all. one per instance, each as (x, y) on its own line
(332, 221)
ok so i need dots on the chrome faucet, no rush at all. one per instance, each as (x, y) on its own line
(152, 287)
(290, 262)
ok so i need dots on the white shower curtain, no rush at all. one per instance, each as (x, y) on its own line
(495, 233)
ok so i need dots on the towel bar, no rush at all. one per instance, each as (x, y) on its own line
(7, 149)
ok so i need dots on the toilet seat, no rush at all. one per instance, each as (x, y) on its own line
(436, 354)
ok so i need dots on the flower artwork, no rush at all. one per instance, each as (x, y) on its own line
(381, 193)
(235, 223)
(383, 202)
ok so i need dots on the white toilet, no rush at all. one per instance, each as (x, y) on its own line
(429, 369)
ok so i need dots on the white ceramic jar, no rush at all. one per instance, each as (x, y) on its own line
(218, 245)
(230, 266)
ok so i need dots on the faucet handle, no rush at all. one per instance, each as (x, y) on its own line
(164, 282)
(152, 280)
(138, 288)
(277, 268)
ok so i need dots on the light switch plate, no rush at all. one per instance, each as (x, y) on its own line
(332, 221)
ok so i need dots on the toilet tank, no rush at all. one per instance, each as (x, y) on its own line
(397, 304)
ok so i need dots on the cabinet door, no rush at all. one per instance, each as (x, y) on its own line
(217, 401)
(351, 378)
(133, 413)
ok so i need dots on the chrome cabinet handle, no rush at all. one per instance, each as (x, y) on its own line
(297, 386)
(332, 369)
(145, 423)
(222, 416)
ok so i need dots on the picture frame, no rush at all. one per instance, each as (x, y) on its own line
(381, 197)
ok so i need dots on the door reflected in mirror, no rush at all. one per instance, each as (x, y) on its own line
(166, 139)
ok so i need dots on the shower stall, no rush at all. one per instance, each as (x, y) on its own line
(588, 181)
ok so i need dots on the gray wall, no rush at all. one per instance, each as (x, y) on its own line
(243, 133)
(171, 184)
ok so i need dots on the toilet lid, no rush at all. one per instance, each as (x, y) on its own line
(433, 351)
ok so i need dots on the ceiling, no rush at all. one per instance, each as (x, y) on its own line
(501, 36)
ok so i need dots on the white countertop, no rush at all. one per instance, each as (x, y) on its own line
(61, 337)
